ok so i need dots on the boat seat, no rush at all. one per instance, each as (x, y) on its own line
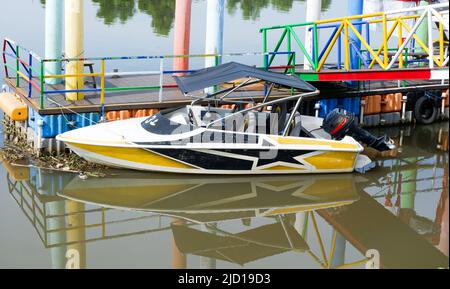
(297, 128)
(313, 126)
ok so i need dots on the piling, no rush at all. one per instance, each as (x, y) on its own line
(53, 38)
(214, 31)
(313, 9)
(182, 34)
(74, 47)
(422, 32)
(355, 7)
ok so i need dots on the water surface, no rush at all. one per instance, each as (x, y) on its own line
(136, 220)
(144, 220)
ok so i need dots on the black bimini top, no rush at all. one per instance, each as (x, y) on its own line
(216, 75)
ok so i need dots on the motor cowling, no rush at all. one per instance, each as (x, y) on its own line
(340, 123)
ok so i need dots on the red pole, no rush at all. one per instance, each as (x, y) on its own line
(182, 34)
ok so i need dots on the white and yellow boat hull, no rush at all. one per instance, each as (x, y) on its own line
(125, 144)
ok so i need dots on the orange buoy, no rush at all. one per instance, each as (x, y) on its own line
(373, 104)
(13, 107)
(391, 102)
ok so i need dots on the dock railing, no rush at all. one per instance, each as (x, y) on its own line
(403, 23)
(34, 73)
(103, 223)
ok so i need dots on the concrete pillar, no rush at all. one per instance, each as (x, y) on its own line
(74, 46)
(313, 9)
(53, 38)
(214, 33)
(422, 31)
(182, 34)
(214, 30)
(58, 254)
(355, 7)
(76, 234)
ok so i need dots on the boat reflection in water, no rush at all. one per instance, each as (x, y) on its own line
(330, 220)
(279, 207)
(211, 201)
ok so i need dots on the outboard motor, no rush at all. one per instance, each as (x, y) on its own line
(340, 123)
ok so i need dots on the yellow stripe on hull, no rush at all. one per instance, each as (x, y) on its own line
(135, 155)
(142, 159)
(283, 168)
(315, 142)
(333, 160)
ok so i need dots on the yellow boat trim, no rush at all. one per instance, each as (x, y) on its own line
(136, 197)
(136, 155)
(304, 141)
(282, 168)
(303, 208)
(333, 160)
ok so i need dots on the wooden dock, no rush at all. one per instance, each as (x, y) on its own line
(120, 100)
(173, 97)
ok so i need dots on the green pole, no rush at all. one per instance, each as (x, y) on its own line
(316, 46)
(409, 188)
(289, 46)
(42, 84)
(277, 47)
(302, 47)
(264, 46)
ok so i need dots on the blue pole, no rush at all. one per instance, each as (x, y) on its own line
(355, 7)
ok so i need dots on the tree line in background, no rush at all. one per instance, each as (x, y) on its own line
(163, 12)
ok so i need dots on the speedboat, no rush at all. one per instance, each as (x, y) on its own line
(225, 131)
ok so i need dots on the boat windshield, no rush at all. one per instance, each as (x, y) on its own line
(161, 125)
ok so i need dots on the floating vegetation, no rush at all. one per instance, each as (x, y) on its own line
(18, 150)
(64, 162)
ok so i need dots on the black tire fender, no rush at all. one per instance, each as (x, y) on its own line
(425, 110)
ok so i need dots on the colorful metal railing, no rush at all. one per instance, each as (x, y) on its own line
(35, 75)
(377, 54)
(36, 208)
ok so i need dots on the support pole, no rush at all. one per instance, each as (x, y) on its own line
(57, 208)
(53, 38)
(214, 33)
(76, 235)
(355, 7)
(422, 31)
(313, 9)
(214, 30)
(182, 34)
(74, 47)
